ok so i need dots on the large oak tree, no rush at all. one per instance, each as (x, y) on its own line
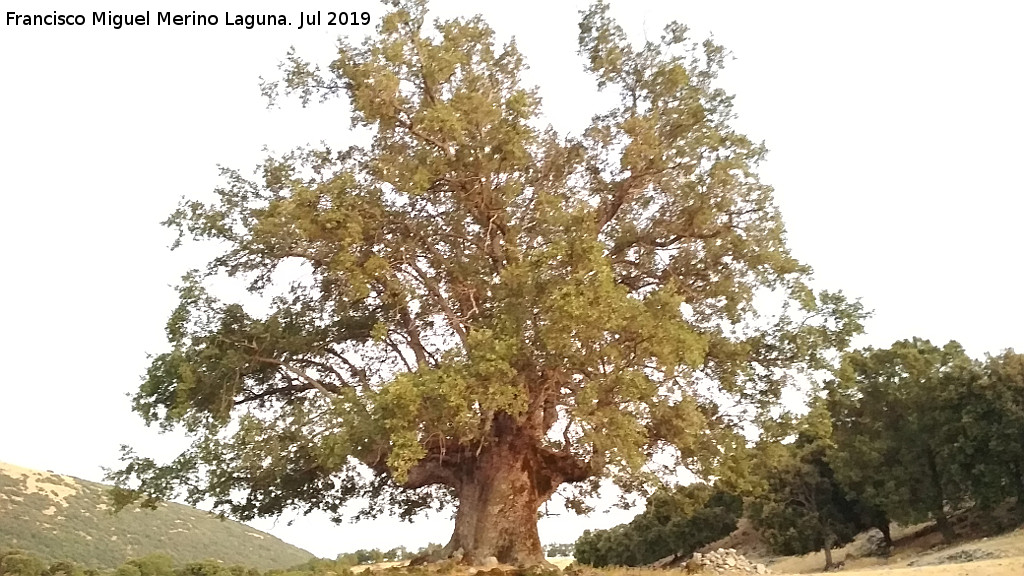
(483, 310)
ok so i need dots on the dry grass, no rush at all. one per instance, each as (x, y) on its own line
(914, 544)
(42, 482)
(917, 544)
(919, 547)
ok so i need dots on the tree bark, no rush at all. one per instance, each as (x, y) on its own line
(886, 529)
(829, 542)
(498, 503)
(938, 498)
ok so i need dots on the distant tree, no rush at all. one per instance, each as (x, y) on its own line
(556, 550)
(130, 570)
(18, 563)
(154, 565)
(897, 424)
(204, 568)
(430, 550)
(799, 506)
(488, 310)
(64, 568)
(371, 556)
(675, 521)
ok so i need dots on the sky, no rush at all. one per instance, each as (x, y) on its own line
(894, 131)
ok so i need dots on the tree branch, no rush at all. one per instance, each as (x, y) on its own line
(313, 382)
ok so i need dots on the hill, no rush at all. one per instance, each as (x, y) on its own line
(63, 518)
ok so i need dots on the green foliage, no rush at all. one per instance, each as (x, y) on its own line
(897, 416)
(989, 454)
(81, 529)
(922, 430)
(207, 568)
(676, 521)
(65, 568)
(129, 570)
(374, 556)
(560, 550)
(154, 565)
(798, 505)
(470, 284)
(21, 564)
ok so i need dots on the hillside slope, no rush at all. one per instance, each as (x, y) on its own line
(63, 518)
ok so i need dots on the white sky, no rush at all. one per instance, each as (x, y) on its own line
(894, 129)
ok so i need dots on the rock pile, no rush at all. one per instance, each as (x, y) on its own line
(724, 561)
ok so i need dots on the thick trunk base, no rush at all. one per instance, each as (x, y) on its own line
(497, 515)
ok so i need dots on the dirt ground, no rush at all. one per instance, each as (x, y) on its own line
(922, 556)
(919, 552)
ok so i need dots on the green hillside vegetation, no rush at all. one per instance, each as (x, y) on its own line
(59, 518)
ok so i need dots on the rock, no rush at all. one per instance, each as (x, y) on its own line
(490, 562)
(723, 561)
(874, 544)
(665, 562)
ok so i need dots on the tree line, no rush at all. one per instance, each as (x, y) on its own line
(677, 520)
(21, 563)
(910, 433)
(15, 562)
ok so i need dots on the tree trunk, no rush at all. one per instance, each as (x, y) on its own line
(829, 542)
(886, 529)
(1018, 481)
(945, 528)
(498, 503)
(938, 498)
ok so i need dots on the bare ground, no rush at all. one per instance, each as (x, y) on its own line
(919, 552)
(923, 556)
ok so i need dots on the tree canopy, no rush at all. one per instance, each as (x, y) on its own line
(675, 521)
(923, 430)
(796, 503)
(474, 307)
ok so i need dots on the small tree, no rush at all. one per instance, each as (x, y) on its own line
(64, 568)
(488, 311)
(154, 565)
(556, 550)
(799, 506)
(128, 570)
